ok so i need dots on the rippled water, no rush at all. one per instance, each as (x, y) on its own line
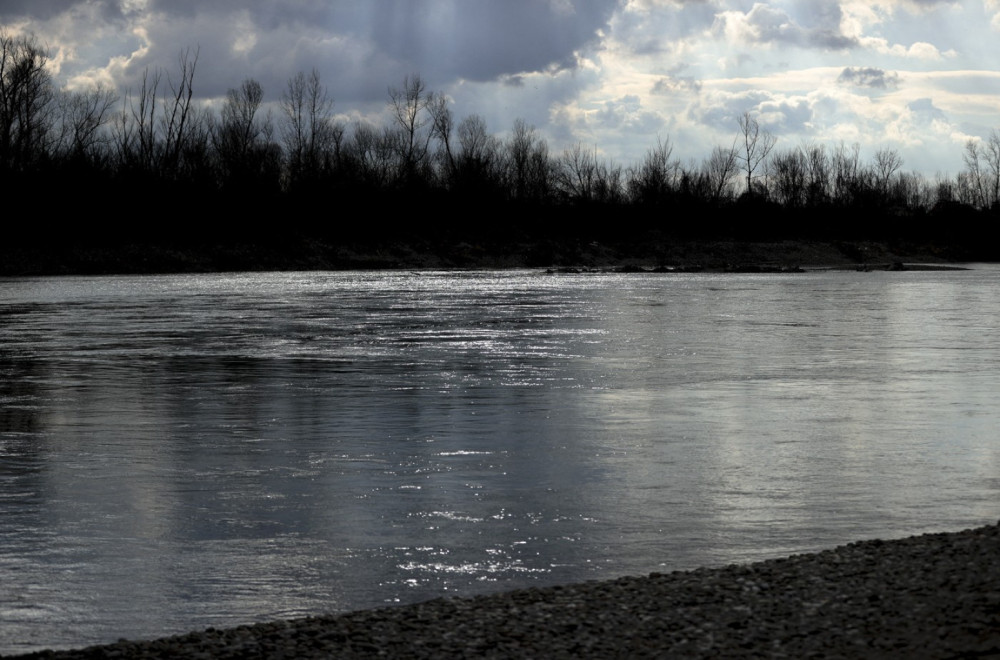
(178, 452)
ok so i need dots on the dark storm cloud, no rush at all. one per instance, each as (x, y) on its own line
(478, 40)
(868, 77)
(44, 9)
(360, 46)
(472, 39)
(267, 14)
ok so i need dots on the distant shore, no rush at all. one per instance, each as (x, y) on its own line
(306, 254)
(928, 596)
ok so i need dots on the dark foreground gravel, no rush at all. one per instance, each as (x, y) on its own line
(930, 596)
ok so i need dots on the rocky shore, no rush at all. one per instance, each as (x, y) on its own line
(929, 596)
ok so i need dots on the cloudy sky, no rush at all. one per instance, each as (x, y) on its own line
(919, 76)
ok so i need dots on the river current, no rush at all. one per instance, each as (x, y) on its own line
(185, 451)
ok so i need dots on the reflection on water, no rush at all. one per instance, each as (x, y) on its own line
(184, 451)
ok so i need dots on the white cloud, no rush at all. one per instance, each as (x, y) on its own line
(920, 50)
(993, 7)
(766, 25)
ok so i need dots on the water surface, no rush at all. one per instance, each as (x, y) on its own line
(178, 452)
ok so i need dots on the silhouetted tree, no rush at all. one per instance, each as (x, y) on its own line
(82, 116)
(887, 163)
(373, 154)
(242, 140)
(912, 192)
(241, 130)
(479, 163)
(655, 179)
(442, 126)
(311, 136)
(755, 145)
(134, 131)
(789, 174)
(720, 169)
(982, 164)
(582, 177)
(163, 142)
(410, 107)
(27, 102)
(846, 173)
(991, 149)
(818, 175)
(162, 135)
(177, 115)
(529, 170)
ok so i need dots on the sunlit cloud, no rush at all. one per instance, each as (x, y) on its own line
(765, 25)
(993, 7)
(920, 50)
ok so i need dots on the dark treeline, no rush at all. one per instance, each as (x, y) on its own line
(155, 165)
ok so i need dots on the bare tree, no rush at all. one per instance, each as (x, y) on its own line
(478, 163)
(442, 126)
(992, 152)
(755, 147)
(26, 101)
(475, 142)
(410, 109)
(582, 176)
(177, 112)
(846, 172)
(242, 139)
(789, 171)
(974, 170)
(82, 116)
(982, 163)
(311, 136)
(576, 173)
(693, 182)
(887, 163)
(818, 183)
(945, 189)
(913, 191)
(374, 154)
(529, 170)
(964, 191)
(241, 128)
(135, 128)
(657, 176)
(720, 170)
(197, 158)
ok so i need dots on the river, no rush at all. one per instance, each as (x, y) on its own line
(185, 451)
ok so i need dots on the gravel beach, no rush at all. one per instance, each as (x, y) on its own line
(929, 596)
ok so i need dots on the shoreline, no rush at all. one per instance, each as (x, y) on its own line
(928, 596)
(655, 254)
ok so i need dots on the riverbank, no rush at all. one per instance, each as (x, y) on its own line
(928, 596)
(309, 254)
